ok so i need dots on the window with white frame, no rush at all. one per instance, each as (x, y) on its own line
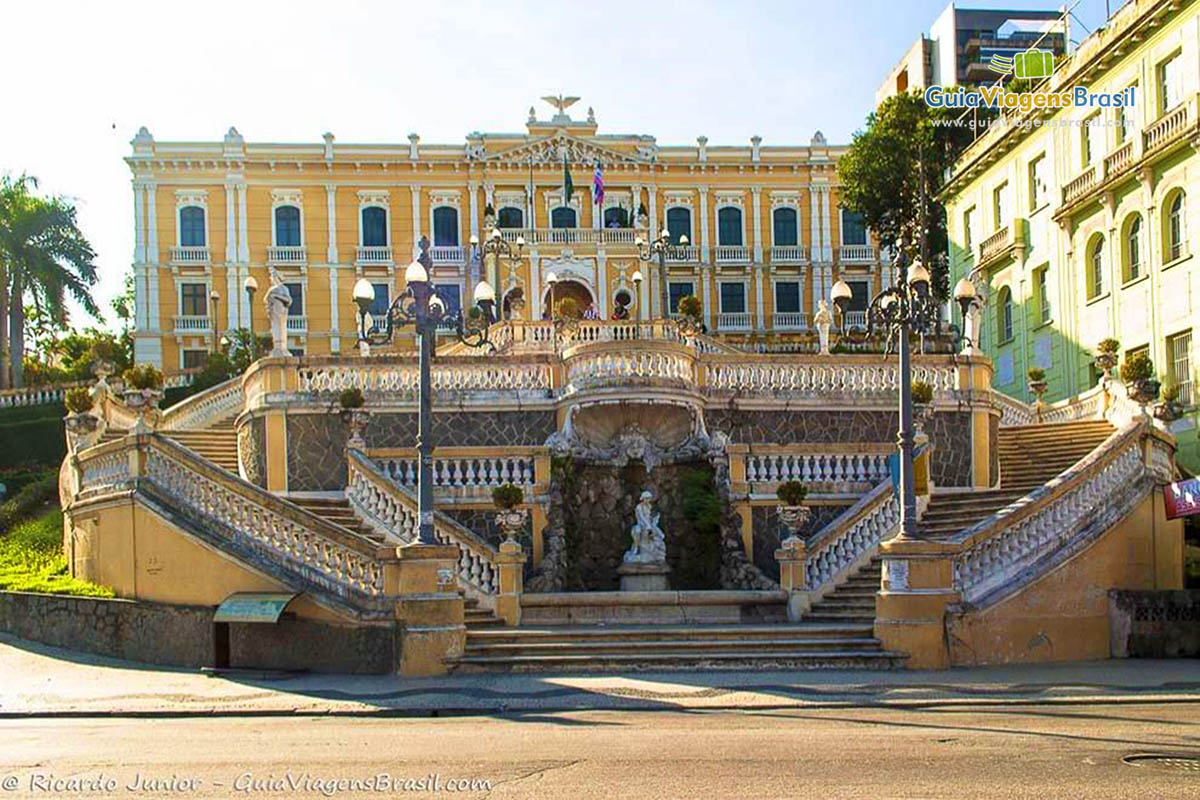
(1001, 212)
(1095, 267)
(729, 226)
(296, 290)
(1042, 283)
(445, 226)
(1038, 190)
(859, 295)
(193, 299)
(1179, 353)
(563, 217)
(1174, 232)
(785, 227)
(854, 228)
(676, 291)
(192, 228)
(969, 228)
(1004, 312)
(1126, 119)
(194, 359)
(787, 297)
(379, 305)
(287, 226)
(1170, 83)
(374, 226)
(679, 223)
(1131, 266)
(1090, 136)
(510, 217)
(452, 294)
(733, 297)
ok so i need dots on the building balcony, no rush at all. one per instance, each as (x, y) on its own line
(733, 321)
(731, 254)
(605, 236)
(1118, 160)
(1169, 128)
(856, 253)
(856, 319)
(1006, 241)
(377, 256)
(297, 323)
(789, 320)
(448, 255)
(1079, 186)
(683, 255)
(193, 323)
(789, 254)
(190, 255)
(287, 256)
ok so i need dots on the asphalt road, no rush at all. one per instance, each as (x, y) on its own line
(1005, 752)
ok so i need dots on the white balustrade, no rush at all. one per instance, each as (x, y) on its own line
(193, 323)
(374, 255)
(203, 409)
(822, 468)
(448, 254)
(604, 368)
(856, 319)
(822, 377)
(190, 255)
(856, 252)
(403, 379)
(683, 255)
(297, 323)
(846, 540)
(731, 254)
(789, 320)
(1119, 159)
(462, 471)
(287, 256)
(733, 321)
(788, 254)
(1166, 127)
(105, 472)
(1077, 187)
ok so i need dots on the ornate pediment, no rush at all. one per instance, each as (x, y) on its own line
(550, 150)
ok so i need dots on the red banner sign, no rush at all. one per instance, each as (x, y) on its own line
(1182, 498)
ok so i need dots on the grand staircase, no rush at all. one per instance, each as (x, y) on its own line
(217, 443)
(338, 511)
(853, 602)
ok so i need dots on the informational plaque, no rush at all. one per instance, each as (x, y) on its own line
(1182, 498)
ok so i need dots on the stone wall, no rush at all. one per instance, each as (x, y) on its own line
(316, 452)
(482, 523)
(950, 432)
(767, 532)
(1148, 624)
(252, 450)
(182, 636)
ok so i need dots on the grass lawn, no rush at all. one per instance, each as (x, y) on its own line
(31, 559)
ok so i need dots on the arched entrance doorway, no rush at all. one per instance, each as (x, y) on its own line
(564, 289)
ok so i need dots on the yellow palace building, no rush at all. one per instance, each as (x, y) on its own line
(765, 235)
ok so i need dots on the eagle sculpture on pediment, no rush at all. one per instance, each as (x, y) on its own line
(551, 149)
(560, 102)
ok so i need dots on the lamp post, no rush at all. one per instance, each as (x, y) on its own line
(216, 318)
(637, 290)
(250, 285)
(421, 305)
(497, 246)
(659, 249)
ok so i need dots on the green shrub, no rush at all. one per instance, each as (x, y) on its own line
(1170, 393)
(32, 498)
(1036, 374)
(79, 400)
(16, 479)
(36, 442)
(31, 560)
(568, 308)
(143, 376)
(352, 398)
(791, 493)
(922, 392)
(691, 306)
(698, 564)
(508, 496)
(1137, 367)
(1108, 346)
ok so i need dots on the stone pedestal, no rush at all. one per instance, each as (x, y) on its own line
(430, 609)
(639, 577)
(510, 563)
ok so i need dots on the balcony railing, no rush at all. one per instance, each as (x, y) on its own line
(856, 252)
(287, 255)
(731, 254)
(995, 244)
(856, 319)
(297, 323)
(788, 254)
(683, 255)
(193, 323)
(733, 321)
(1079, 186)
(448, 254)
(1118, 159)
(571, 235)
(1167, 127)
(789, 320)
(190, 255)
(374, 255)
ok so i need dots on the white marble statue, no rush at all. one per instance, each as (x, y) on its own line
(823, 320)
(278, 299)
(649, 542)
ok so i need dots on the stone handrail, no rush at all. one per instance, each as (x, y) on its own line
(1080, 185)
(392, 509)
(400, 377)
(540, 336)
(1168, 126)
(767, 465)
(332, 564)
(115, 412)
(822, 375)
(637, 362)
(1095, 403)
(55, 392)
(846, 540)
(1013, 411)
(202, 409)
(1001, 553)
(460, 469)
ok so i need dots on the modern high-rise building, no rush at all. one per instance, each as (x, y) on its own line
(962, 41)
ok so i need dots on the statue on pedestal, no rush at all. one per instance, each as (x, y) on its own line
(649, 541)
(278, 300)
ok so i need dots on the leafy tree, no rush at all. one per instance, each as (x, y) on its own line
(43, 256)
(901, 149)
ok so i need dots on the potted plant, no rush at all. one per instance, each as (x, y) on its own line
(568, 309)
(489, 217)
(1137, 373)
(793, 514)
(922, 397)
(510, 518)
(1037, 382)
(143, 391)
(1106, 355)
(1170, 409)
(352, 402)
(83, 427)
(643, 219)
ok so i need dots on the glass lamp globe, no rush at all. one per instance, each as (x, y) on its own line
(363, 291)
(484, 293)
(416, 273)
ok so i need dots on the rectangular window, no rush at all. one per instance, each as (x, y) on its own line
(1170, 83)
(194, 359)
(1043, 293)
(296, 309)
(859, 295)
(969, 228)
(1087, 133)
(1126, 119)
(452, 294)
(379, 305)
(678, 291)
(1179, 350)
(193, 299)
(787, 297)
(1037, 183)
(733, 298)
(1001, 213)
(729, 227)
(854, 229)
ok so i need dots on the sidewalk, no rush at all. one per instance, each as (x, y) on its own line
(45, 681)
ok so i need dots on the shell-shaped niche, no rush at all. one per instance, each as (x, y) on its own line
(666, 425)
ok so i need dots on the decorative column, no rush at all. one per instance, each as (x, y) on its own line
(335, 341)
(231, 247)
(602, 281)
(534, 301)
(243, 231)
(826, 235)
(331, 254)
(703, 190)
(152, 323)
(706, 290)
(430, 609)
(756, 197)
(655, 227)
(139, 222)
(473, 190)
(760, 277)
(814, 244)
(416, 215)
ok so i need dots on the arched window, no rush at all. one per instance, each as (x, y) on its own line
(729, 226)
(445, 226)
(1131, 248)
(1174, 229)
(510, 217)
(1004, 319)
(854, 229)
(786, 227)
(616, 217)
(1095, 267)
(679, 223)
(287, 226)
(562, 217)
(191, 227)
(374, 227)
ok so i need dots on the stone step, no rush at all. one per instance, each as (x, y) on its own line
(841, 616)
(782, 659)
(835, 604)
(736, 632)
(669, 646)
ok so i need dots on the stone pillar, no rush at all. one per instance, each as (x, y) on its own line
(975, 376)
(152, 256)
(416, 217)
(473, 191)
(703, 190)
(511, 565)
(243, 230)
(429, 610)
(826, 230)
(910, 609)
(335, 341)
(331, 219)
(602, 282)
(139, 222)
(760, 277)
(790, 555)
(533, 303)
(756, 198)
(231, 246)
(706, 291)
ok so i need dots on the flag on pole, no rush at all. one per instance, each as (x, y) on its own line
(598, 185)
(568, 186)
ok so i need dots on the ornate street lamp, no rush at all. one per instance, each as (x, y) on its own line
(659, 249)
(250, 285)
(496, 245)
(637, 290)
(421, 305)
(907, 307)
(216, 318)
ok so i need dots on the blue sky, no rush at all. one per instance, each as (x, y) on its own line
(376, 71)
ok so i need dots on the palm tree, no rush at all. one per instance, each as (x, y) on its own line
(43, 256)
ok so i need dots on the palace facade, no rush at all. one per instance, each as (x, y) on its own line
(766, 236)
(1076, 222)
